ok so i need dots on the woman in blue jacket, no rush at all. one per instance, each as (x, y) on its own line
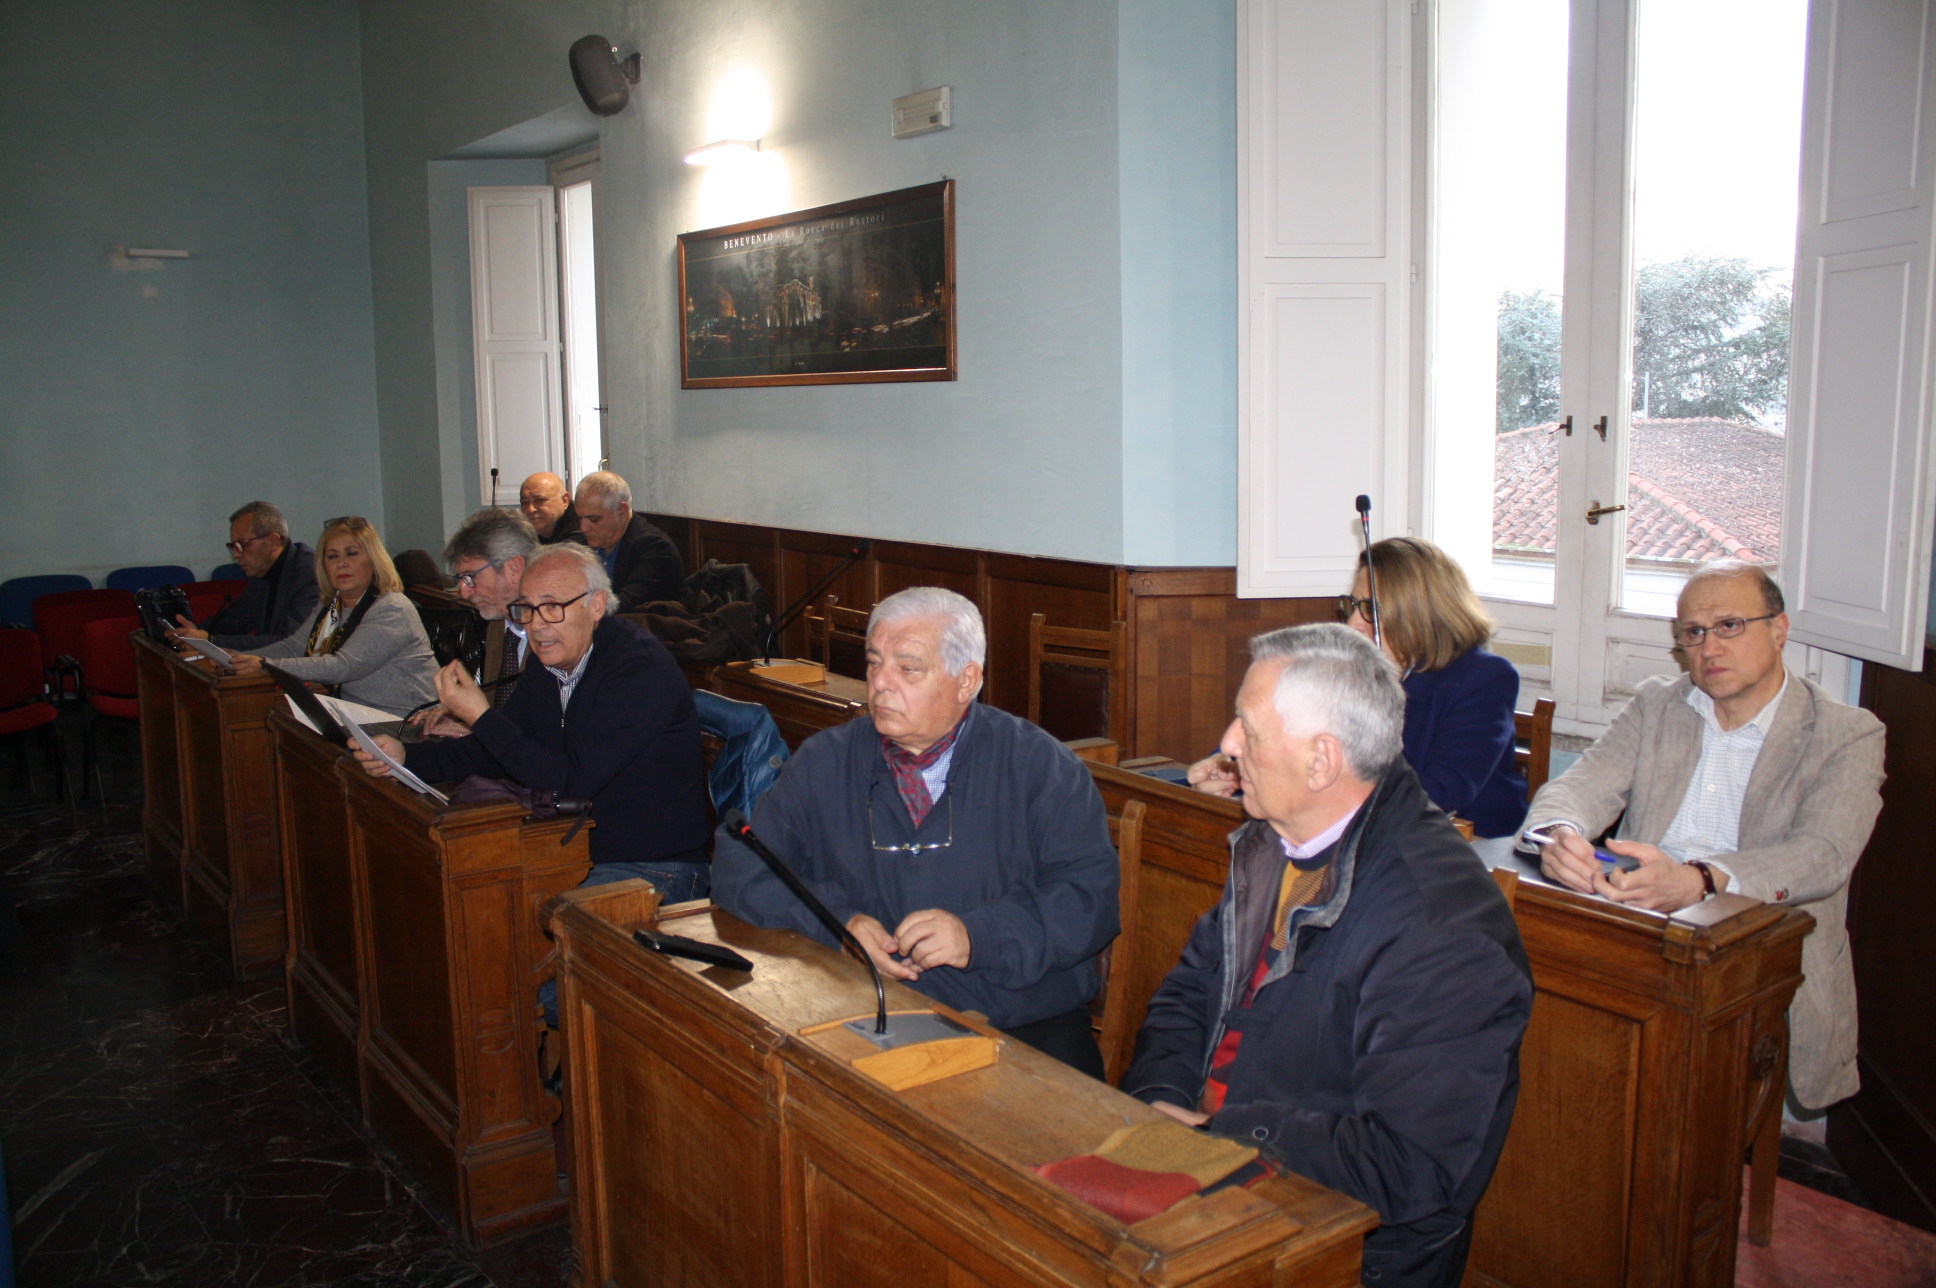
(1458, 697)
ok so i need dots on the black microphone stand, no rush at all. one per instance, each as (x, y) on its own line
(742, 831)
(799, 606)
(1371, 574)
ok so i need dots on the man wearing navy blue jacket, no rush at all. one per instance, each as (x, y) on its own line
(604, 714)
(1353, 1005)
(966, 849)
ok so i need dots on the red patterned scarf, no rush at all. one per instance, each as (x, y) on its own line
(907, 766)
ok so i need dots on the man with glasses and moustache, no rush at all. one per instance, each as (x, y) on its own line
(966, 849)
(1739, 776)
(487, 555)
(281, 594)
(606, 716)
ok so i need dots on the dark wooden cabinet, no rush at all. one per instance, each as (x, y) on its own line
(413, 971)
(714, 1144)
(212, 829)
(1885, 1136)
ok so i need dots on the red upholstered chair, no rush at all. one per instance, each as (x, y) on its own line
(25, 704)
(59, 621)
(107, 666)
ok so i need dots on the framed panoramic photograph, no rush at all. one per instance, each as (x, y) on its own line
(855, 292)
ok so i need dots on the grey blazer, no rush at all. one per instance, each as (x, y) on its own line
(386, 662)
(1810, 804)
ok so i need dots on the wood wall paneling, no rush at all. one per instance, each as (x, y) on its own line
(1187, 631)
(1886, 1134)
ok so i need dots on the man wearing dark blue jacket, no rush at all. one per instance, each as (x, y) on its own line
(605, 715)
(280, 595)
(967, 850)
(1353, 1005)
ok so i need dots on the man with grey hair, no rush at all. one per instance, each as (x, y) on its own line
(281, 594)
(1353, 1005)
(1742, 776)
(606, 716)
(966, 849)
(487, 554)
(641, 560)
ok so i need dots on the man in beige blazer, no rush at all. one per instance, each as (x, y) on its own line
(1738, 776)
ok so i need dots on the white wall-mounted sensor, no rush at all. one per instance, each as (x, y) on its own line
(923, 113)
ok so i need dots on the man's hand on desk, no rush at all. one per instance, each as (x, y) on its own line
(439, 723)
(371, 765)
(1661, 883)
(185, 630)
(933, 937)
(1188, 1117)
(459, 694)
(881, 946)
(245, 663)
(1215, 775)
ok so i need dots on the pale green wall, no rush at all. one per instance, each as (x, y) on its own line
(1093, 156)
(142, 407)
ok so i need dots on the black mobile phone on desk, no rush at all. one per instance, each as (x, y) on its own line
(680, 946)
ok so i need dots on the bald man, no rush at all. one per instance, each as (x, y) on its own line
(547, 503)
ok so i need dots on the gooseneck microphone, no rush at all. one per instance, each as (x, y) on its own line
(742, 831)
(1371, 574)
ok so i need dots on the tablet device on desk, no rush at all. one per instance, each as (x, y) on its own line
(307, 704)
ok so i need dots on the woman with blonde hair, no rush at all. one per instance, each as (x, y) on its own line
(1458, 697)
(366, 641)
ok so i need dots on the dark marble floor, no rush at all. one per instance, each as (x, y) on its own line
(157, 1126)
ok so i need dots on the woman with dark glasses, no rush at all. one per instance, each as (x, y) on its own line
(1458, 697)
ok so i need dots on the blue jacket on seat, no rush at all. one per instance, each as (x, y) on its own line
(1025, 860)
(1459, 740)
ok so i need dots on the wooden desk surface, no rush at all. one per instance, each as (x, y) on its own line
(941, 1172)
(800, 710)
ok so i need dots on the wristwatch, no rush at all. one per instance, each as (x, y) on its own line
(1707, 877)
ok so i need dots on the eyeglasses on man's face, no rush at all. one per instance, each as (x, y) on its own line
(521, 612)
(1349, 605)
(237, 547)
(468, 580)
(1687, 635)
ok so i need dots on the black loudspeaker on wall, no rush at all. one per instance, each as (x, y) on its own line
(604, 82)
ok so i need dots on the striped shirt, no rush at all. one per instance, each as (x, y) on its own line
(1709, 820)
(568, 680)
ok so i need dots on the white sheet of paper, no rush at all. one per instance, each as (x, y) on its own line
(342, 711)
(213, 652)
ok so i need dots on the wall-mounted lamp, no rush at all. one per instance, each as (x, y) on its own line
(723, 151)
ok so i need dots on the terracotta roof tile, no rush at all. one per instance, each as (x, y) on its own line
(1698, 489)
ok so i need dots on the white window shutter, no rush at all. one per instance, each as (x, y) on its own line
(1857, 511)
(1324, 200)
(514, 335)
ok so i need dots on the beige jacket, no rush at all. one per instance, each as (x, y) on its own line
(1810, 805)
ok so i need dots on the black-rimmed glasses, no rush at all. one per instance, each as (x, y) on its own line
(1725, 629)
(468, 580)
(520, 612)
(909, 847)
(1348, 606)
(237, 547)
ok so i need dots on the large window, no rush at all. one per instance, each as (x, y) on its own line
(1613, 212)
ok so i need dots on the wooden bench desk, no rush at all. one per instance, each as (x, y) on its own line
(1654, 1043)
(714, 1145)
(209, 814)
(800, 710)
(414, 963)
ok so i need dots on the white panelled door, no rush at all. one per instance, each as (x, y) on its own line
(515, 338)
(1324, 230)
(1856, 532)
